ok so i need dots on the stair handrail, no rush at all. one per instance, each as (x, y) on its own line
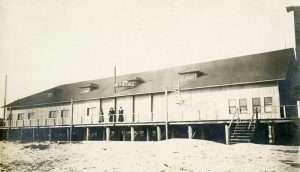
(237, 111)
(256, 112)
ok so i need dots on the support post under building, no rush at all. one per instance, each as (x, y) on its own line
(132, 133)
(271, 134)
(227, 134)
(190, 132)
(124, 134)
(148, 133)
(32, 134)
(49, 135)
(87, 134)
(158, 133)
(202, 134)
(107, 133)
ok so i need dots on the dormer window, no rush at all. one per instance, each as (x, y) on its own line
(190, 74)
(88, 88)
(132, 82)
(52, 92)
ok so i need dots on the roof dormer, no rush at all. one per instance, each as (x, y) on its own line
(190, 74)
(53, 92)
(131, 82)
(88, 88)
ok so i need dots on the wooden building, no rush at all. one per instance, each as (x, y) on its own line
(234, 100)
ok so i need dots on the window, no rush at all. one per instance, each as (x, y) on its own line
(85, 90)
(52, 114)
(65, 114)
(190, 76)
(21, 116)
(50, 94)
(31, 115)
(256, 105)
(268, 104)
(232, 106)
(91, 111)
(243, 105)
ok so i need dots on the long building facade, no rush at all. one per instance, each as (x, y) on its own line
(240, 99)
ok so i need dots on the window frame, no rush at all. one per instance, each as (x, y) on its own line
(62, 113)
(50, 113)
(230, 107)
(88, 111)
(244, 106)
(256, 105)
(29, 115)
(267, 105)
(20, 116)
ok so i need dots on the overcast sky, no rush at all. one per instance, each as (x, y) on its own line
(46, 43)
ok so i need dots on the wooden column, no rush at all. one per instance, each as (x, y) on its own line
(271, 134)
(107, 133)
(190, 132)
(33, 134)
(132, 133)
(87, 136)
(7, 134)
(49, 135)
(227, 134)
(202, 134)
(158, 133)
(148, 133)
(133, 109)
(124, 134)
(103, 134)
(72, 116)
(173, 132)
(21, 134)
(298, 108)
(68, 134)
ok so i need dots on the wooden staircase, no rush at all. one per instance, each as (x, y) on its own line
(242, 132)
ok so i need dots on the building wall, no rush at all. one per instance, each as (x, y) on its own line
(199, 104)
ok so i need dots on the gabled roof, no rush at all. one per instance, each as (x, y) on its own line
(261, 67)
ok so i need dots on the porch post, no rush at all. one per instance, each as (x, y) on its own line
(21, 133)
(298, 108)
(202, 134)
(148, 134)
(158, 133)
(87, 133)
(124, 134)
(107, 133)
(271, 134)
(68, 134)
(49, 135)
(32, 134)
(132, 133)
(190, 132)
(227, 134)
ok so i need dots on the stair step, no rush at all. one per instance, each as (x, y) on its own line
(241, 134)
(240, 137)
(240, 140)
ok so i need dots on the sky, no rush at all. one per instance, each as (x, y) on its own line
(46, 43)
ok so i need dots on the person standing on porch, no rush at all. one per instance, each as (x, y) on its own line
(121, 117)
(101, 116)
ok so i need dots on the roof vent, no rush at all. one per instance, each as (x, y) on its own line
(131, 82)
(190, 74)
(52, 92)
(88, 87)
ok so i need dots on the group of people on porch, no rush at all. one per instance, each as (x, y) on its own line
(112, 115)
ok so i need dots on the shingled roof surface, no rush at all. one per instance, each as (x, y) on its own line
(245, 69)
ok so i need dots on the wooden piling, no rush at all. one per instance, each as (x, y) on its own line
(107, 133)
(173, 133)
(21, 133)
(87, 136)
(132, 133)
(271, 134)
(190, 132)
(124, 134)
(227, 134)
(33, 134)
(202, 133)
(158, 130)
(68, 134)
(148, 133)
(49, 135)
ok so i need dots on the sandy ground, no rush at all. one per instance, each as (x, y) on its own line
(171, 155)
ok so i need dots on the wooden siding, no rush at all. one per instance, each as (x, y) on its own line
(200, 104)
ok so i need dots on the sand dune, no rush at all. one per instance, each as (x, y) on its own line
(170, 155)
